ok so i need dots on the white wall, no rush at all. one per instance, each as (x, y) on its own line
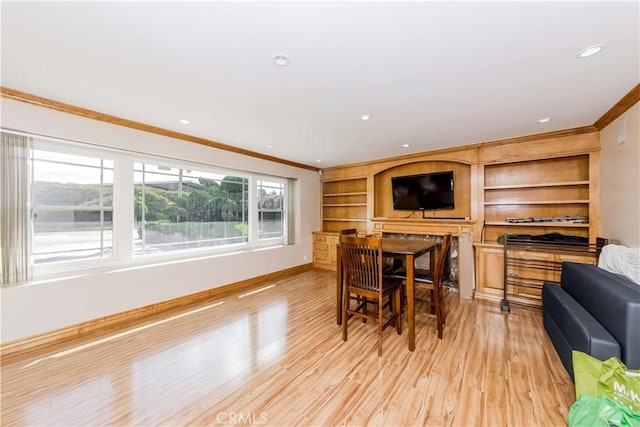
(43, 306)
(620, 181)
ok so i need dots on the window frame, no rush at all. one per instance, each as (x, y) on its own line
(77, 149)
(123, 210)
(285, 211)
(200, 167)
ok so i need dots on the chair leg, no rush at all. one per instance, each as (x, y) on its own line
(380, 328)
(432, 302)
(364, 308)
(443, 311)
(345, 317)
(396, 310)
(439, 324)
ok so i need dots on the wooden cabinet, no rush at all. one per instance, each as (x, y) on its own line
(344, 205)
(489, 271)
(527, 274)
(531, 190)
(324, 249)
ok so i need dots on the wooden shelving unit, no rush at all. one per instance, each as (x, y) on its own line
(550, 175)
(550, 187)
(344, 205)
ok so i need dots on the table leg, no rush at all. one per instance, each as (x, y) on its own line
(339, 280)
(432, 259)
(432, 267)
(410, 302)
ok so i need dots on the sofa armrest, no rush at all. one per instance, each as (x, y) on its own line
(612, 300)
(571, 327)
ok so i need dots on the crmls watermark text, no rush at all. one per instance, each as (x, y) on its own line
(241, 418)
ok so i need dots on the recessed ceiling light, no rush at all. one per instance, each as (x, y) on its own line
(544, 120)
(406, 145)
(590, 51)
(184, 121)
(318, 161)
(269, 146)
(365, 117)
(281, 59)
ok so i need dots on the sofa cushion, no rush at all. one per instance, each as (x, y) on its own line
(571, 327)
(559, 341)
(612, 300)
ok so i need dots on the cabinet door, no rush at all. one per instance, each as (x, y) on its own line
(527, 271)
(489, 280)
(331, 247)
(324, 250)
(321, 249)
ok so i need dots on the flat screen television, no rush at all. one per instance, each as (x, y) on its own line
(429, 191)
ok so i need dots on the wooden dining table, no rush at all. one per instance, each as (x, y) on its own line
(407, 249)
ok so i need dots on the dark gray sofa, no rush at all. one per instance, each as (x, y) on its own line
(593, 311)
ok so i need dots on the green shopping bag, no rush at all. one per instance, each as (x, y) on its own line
(589, 411)
(610, 378)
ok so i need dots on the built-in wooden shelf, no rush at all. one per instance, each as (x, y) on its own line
(357, 193)
(344, 204)
(539, 202)
(538, 188)
(539, 224)
(431, 220)
(537, 185)
(346, 219)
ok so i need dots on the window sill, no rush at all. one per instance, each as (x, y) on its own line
(47, 274)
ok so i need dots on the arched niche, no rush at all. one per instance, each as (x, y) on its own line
(383, 197)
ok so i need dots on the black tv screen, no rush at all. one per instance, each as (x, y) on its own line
(429, 191)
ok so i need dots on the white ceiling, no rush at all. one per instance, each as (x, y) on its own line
(430, 74)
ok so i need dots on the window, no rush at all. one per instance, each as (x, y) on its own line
(72, 199)
(271, 209)
(177, 208)
(89, 207)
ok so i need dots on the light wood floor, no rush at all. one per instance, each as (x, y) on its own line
(276, 357)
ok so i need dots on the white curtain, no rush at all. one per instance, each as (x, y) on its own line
(15, 216)
(291, 210)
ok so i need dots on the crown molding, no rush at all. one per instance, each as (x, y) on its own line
(478, 145)
(119, 121)
(627, 101)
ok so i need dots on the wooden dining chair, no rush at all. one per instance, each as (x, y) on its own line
(431, 281)
(363, 267)
(358, 298)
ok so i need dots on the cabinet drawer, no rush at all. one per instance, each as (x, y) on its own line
(320, 247)
(319, 238)
(531, 256)
(537, 272)
(582, 259)
(321, 257)
(525, 291)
